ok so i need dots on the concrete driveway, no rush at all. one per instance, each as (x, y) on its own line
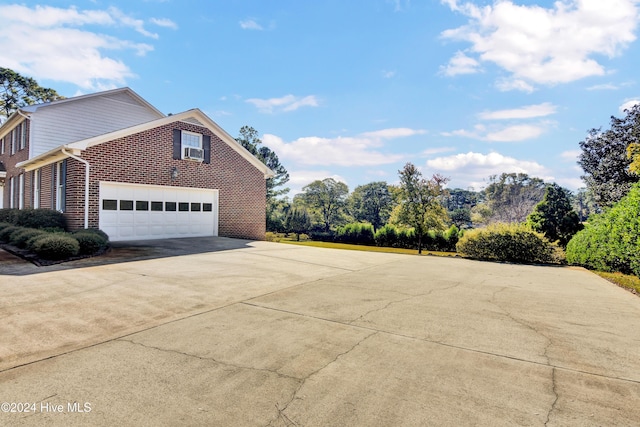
(238, 333)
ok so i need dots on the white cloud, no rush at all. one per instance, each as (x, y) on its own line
(527, 112)
(285, 103)
(250, 24)
(570, 155)
(628, 105)
(164, 22)
(538, 45)
(472, 169)
(512, 133)
(301, 178)
(46, 42)
(460, 64)
(362, 150)
(388, 74)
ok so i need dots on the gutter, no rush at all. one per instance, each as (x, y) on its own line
(86, 185)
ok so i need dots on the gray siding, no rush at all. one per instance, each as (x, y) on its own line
(59, 124)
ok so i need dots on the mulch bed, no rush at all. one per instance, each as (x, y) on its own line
(41, 262)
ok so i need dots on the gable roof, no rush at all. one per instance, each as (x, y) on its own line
(196, 114)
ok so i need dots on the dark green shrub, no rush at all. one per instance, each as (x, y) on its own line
(56, 247)
(31, 242)
(322, 236)
(508, 242)
(5, 233)
(611, 241)
(4, 225)
(355, 233)
(8, 215)
(90, 242)
(407, 239)
(95, 231)
(386, 236)
(40, 218)
(20, 237)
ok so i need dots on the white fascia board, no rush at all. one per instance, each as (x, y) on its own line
(47, 158)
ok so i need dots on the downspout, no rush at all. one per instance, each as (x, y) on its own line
(86, 185)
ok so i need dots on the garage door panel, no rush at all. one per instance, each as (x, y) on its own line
(153, 217)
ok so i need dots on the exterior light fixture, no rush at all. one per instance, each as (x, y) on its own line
(174, 173)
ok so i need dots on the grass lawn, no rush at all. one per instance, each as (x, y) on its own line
(626, 281)
(331, 245)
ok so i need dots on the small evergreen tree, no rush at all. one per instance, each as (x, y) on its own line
(298, 221)
(554, 217)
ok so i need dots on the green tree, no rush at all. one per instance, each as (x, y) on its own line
(372, 203)
(18, 91)
(584, 204)
(510, 197)
(554, 217)
(604, 158)
(249, 139)
(298, 221)
(421, 206)
(328, 199)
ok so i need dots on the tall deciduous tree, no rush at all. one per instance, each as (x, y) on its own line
(328, 198)
(17, 91)
(605, 161)
(298, 221)
(511, 197)
(420, 205)
(554, 217)
(249, 139)
(372, 203)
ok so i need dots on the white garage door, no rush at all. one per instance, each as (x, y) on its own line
(139, 212)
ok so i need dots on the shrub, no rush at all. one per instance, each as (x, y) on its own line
(5, 233)
(322, 236)
(56, 246)
(95, 231)
(90, 243)
(8, 215)
(4, 225)
(40, 218)
(508, 242)
(386, 236)
(355, 233)
(20, 237)
(611, 241)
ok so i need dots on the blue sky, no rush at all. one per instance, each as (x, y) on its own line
(355, 89)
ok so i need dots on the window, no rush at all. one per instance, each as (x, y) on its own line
(21, 191)
(156, 206)
(12, 192)
(126, 205)
(13, 141)
(36, 188)
(22, 135)
(142, 205)
(109, 205)
(170, 206)
(195, 207)
(192, 146)
(61, 185)
(183, 207)
(2, 146)
(207, 207)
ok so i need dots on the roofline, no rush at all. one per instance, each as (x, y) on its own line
(106, 92)
(79, 146)
(11, 122)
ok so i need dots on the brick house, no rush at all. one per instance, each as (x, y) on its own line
(111, 160)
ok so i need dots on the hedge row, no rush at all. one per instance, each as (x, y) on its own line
(509, 242)
(54, 245)
(611, 241)
(391, 236)
(34, 218)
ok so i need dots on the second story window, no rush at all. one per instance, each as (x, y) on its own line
(1, 146)
(192, 146)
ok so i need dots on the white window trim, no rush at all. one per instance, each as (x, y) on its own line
(183, 146)
(59, 187)
(21, 191)
(2, 145)
(12, 192)
(22, 135)
(36, 188)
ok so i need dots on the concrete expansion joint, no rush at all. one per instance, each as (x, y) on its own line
(555, 393)
(211, 359)
(280, 409)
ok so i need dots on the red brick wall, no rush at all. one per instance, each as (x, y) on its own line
(147, 158)
(10, 162)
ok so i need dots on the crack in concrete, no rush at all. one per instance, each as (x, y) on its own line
(294, 396)
(390, 303)
(212, 359)
(555, 393)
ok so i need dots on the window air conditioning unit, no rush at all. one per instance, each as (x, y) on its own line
(194, 153)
